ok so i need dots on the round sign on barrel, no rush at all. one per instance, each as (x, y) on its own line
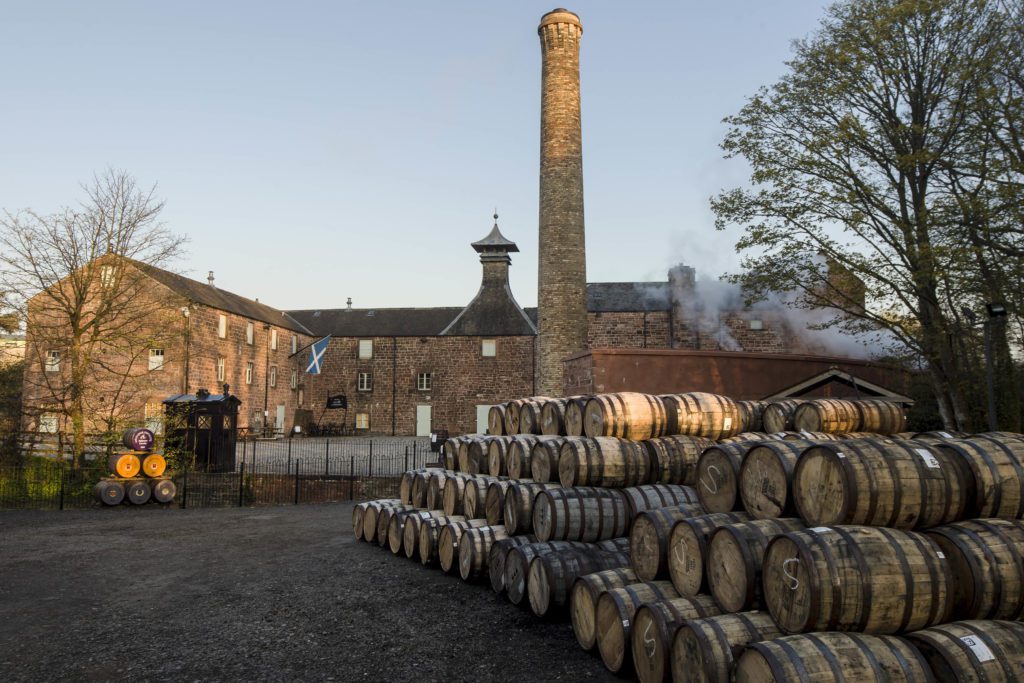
(138, 439)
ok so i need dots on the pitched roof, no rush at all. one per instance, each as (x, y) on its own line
(628, 296)
(493, 311)
(377, 322)
(221, 299)
(495, 241)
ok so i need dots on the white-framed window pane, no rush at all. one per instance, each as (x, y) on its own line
(220, 369)
(489, 347)
(273, 375)
(48, 424)
(424, 381)
(366, 348)
(53, 361)
(107, 276)
(156, 359)
(222, 326)
(365, 381)
(301, 397)
(250, 333)
(295, 344)
(294, 381)
(273, 340)
(248, 373)
(362, 420)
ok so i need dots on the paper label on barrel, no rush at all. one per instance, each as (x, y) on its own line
(820, 529)
(939, 554)
(979, 648)
(625, 623)
(945, 435)
(840, 454)
(928, 458)
(727, 423)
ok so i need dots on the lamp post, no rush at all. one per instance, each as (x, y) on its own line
(996, 315)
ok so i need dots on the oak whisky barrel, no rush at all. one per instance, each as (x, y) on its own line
(109, 492)
(649, 539)
(583, 600)
(704, 650)
(603, 461)
(718, 472)
(498, 555)
(973, 650)
(614, 618)
(735, 557)
(138, 492)
(674, 458)
(702, 414)
(552, 575)
(627, 415)
(518, 560)
(997, 469)
(164, 490)
(688, 549)
(766, 478)
(880, 416)
(830, 415)
(519, 499)
(778, 415)
(654, 626)
(475, 548)
(580, 514)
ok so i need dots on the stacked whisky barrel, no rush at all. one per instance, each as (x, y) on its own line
(685, 543)
(137, 475)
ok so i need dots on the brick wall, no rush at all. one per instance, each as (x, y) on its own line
(628, 329)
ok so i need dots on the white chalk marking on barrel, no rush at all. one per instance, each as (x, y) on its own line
(794, 582)
(710, 478)
(649, 642)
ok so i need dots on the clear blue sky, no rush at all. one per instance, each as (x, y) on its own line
(314, 151)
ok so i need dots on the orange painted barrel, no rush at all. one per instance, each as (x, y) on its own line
(154, 465)
(124, 465)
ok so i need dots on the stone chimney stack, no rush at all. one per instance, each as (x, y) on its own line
(562, 272)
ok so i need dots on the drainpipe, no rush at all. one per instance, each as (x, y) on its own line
(394, 380)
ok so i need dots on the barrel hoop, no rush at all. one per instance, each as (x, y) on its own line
(1004, 661)
(993, 471)
(1018, 560)
(807, 552)
(901, 556)
(795, 659)
(869, 654)
(748, 559)
(721, 638)
(849, 478)
(829, 655)
(977, 570)
(947, 484)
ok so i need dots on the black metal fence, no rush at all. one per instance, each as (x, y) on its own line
(267, 472)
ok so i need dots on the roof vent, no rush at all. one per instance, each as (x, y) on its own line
(209, 278)
(348, 304)
(371, 313)
(316, 314)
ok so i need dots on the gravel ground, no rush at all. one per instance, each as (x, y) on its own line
(265, 594)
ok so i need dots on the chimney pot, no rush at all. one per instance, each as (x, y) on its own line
(348, 304)
(209, 278)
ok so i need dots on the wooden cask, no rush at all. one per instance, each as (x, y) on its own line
(497, 455)
(778, 415)
(583, 600)
(430, 532)
(499, 554)
(512, 416)
(718, 472)
(552, 415)
(474, 458)
(766, 478)
(359, 510)
(164, 490)
(1000, 437)
(453, 496)
(704, 650)
(110, 492)
(829, 415)
(529, 416)
(735, 559)
(880, 416)
(137, 492)
(939, 436)
(990, 651)
(674, 458)
(897, 484)
(371, 514)
(987, 559)
(519, 454)
(475, 548)
(580, 514)
(544, 457)
(649, 537)
(747, 438)
(614, 618)
(384, 517)
(138, 439)
(702, 414)
(856, 578)
(688, 549)
(826, 657)
(604, 461)
(552, 575)
(518, 560)
(997, 473)
(434, 499)
(655, 625)
(124, 465)
(494, 501)
(411, 530)
(627, 415)
(651, 496)
(474, 496)
(405, 486)
(496, 420)
(751, 415)
(154, 465)
(448, 542)
(396, 528)
(806, 436)
(519, 498)
(574, 416)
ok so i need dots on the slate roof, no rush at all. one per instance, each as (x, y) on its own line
(377, 322)
(628, 296)
(214, 297)
(495, 241)
(493, 311)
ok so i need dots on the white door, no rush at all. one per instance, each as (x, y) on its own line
(481, 419)
(279, 420)
(422, 420)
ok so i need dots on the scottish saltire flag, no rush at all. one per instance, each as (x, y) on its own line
(316, 355)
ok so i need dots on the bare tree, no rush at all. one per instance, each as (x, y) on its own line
(77, 278)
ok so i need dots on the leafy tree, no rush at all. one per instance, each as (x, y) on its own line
(874, 154)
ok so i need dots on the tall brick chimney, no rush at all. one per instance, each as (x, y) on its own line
(562, 272)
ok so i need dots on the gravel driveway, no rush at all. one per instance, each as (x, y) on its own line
(268, 594)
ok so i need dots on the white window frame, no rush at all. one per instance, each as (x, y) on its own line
(365, 349)
(48, 423)
(364, 381)
(156, 359)
(108, 276)
(489, 345)
(424, 381)
(273, 376)
(250, 334)
(222, 326)
(273, 340)
(294, 381)
(52, 362)
(362, 420)
(220, 369)
(295, 344)
(248, 372)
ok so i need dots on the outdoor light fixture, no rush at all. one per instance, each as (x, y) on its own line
(995, 310)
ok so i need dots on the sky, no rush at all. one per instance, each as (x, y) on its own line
(315, 151)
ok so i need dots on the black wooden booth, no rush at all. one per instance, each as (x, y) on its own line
(204, 425)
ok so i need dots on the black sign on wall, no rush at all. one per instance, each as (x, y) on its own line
(339, 401)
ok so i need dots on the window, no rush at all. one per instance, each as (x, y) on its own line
(250, 333)
(107, 276)
(273, 375)
(222, 326)
(489, 347)
(273, 340)
(423, 381)
(366, 348)
(295, 344)
(53, 361)
(294, 381)
(756, 324)
(48, 423)
(156, 359)
(220, 369)
(365, 382)
(155, 417)
(248, 372)
(362, 420)
(301, 397)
